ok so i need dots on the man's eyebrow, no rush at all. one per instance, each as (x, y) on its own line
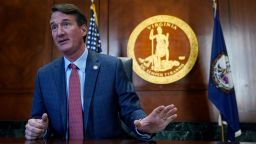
(51, 23)
(64, 20)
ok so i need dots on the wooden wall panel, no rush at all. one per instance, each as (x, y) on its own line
(127, 14)
(26, 44)
(24, 48)
(239, 30)
(242, 49)
(192, 106)
(15, 106)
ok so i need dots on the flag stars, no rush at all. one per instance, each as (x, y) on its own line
(93, 36)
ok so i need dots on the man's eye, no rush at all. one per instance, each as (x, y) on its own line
(53, 27)
(66, 25)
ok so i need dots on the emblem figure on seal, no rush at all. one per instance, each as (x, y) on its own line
(159, 58)
(163, 48)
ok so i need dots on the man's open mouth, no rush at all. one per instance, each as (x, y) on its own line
(63, 41)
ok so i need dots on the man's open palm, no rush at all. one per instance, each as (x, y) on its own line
(157, 120)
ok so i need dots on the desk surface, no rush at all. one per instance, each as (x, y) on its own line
(22, 141)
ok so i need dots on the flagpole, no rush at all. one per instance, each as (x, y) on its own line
(222, 128)
(215, 5)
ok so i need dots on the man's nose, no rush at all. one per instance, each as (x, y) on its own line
(60, 31)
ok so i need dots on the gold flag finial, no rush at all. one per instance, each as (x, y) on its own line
(214, 6)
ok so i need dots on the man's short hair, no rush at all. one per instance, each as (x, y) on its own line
(71, 9)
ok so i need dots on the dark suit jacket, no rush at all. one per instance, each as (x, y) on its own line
(108, 97)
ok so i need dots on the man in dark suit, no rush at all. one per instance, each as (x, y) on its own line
(86, 95)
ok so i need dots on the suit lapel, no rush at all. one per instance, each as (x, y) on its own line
(92, 70)
(60, 82)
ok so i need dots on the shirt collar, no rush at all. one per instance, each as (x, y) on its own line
(80, 62)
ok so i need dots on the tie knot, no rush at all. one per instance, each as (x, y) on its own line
(73, 66)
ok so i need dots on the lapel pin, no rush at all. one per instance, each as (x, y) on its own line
(95, 67)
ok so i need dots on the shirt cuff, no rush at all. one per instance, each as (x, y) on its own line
(45, 133)
(143, 135)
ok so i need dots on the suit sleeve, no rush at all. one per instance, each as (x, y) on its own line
(38, 108)
(37, 104)
(130, 109)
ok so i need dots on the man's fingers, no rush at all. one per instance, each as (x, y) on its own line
(168, 108)
(28, 137)
(36, 123)
(137, 123)
(34, 130)
(164, 113)
(171, 118)
(32, 133)
(44, 118)
(171, 112)
(159, 109)
(34, 141)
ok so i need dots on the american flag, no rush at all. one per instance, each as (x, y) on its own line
(93, 36)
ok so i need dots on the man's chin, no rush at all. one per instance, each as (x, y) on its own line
(67, 52)
(64, 49)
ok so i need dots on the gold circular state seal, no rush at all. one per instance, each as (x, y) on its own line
(163, 48)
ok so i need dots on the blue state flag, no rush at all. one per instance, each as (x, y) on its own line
(93, 36)
(221, 90)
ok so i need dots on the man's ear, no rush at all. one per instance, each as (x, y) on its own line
(84, 29)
